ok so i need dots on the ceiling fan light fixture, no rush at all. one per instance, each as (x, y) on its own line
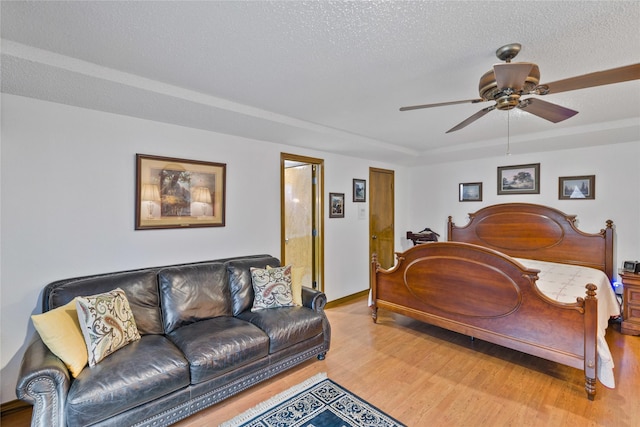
(489, 90)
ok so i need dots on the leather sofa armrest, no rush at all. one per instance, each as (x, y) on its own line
(43, 381)
(316, 301)
(313, 299)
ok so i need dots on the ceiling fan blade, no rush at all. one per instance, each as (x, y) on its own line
(441, 104)
(552, 112)
(599, 78)
(471, 119)
(512, 75)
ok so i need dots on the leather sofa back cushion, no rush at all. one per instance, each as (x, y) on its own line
(193, 293)
(140, 287)
(240, 280)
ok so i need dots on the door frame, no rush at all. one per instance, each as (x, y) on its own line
(318, 213)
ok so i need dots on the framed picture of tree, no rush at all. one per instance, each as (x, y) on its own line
(519, 179)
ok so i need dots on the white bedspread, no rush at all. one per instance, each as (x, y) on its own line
(564, 283)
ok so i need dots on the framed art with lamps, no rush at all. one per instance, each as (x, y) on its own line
(179, 193)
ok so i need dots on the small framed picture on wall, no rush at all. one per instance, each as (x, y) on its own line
(336, 205)
(359, 190)
(577, 187)
(470, 192)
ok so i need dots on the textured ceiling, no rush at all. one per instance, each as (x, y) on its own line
(329, 75)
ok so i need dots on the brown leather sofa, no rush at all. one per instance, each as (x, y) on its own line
(200, 343)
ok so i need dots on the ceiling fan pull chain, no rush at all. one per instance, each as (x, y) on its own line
(508, 132)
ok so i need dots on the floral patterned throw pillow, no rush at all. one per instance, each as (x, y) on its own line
(271, 288)
(107, 323)
(296, 283)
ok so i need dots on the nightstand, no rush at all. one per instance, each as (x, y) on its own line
(630, 303)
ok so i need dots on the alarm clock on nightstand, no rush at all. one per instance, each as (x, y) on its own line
(631, 266)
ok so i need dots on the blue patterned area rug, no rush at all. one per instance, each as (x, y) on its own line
(318, 402)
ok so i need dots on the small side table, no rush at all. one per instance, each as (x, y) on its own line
(630, 303)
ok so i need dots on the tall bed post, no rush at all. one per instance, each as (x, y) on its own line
(608, 243)
(590, 340)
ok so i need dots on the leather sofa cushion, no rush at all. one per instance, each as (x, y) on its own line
(143, 371)
(192, 293)
(141, 288)
(240, 280)
(286, 326)
(216, 346)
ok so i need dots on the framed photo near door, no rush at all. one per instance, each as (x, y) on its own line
(336, 205)
(359, 190)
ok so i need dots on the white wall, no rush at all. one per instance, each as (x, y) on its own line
(67, 203)
(67, 194)
(434, 191)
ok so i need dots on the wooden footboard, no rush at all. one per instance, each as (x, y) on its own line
(486, 294)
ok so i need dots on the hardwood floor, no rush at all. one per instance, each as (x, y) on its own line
(426, 376)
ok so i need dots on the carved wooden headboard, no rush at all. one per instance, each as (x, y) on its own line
(530, 231)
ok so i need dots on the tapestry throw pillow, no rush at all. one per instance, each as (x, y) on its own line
(296, 283)
(107, 323)
(60, 331)
(271, 288)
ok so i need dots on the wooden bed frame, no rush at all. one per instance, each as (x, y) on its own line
(471, 285)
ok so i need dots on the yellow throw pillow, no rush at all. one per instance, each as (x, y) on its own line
(60, 331)
(296, 283)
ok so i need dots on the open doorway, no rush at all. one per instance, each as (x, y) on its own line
(301, 217)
